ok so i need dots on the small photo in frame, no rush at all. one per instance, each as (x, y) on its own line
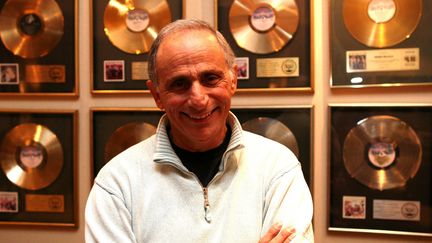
(8, 202)
(242, 67)
(354, 207)
(9, 73)
(114, 71)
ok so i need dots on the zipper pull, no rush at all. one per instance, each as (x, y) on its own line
(207, 214)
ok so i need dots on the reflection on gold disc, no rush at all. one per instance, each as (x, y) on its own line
(263, 27)
(31, 156)
(126, 136)
(381, 23)
(273, 129)
(132, 25)
(31, 29)
(382, 152)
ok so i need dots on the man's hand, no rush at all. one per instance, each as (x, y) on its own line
(276, 234)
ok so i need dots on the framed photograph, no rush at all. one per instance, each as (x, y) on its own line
(9, 74)
(121, 41)
(39, 48)
(242, 67)
(116, 129)
(380, 43)
(380, 169)
(38, 153)
(290, 126)
(114, 71)
(275, 36)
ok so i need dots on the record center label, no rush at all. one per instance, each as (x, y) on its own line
(263, 18)
(137, 20)
(396, 210)
(381, 11)
(403, 59)
(277, 67)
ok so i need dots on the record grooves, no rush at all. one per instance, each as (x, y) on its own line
(31, 156)
(382, 152)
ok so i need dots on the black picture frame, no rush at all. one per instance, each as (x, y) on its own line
(379, 209)
(299, 46)
(54, 205)
(49, 71)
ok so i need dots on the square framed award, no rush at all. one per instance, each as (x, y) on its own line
(275, 36)
(380, 43)
(380, 169)
(122, 33)
(116, 129)
(39, 48)
(290, 126)
(38, 181)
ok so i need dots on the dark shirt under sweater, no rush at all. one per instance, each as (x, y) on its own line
(204, 165)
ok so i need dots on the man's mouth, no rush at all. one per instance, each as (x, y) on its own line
(200, 116)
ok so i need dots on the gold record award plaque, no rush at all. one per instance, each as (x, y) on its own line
(31, 156)
(263, 27)
(132, 26)
(31, 29)
(382, 152)
(273, 129)
(381, 23)
(126, 136)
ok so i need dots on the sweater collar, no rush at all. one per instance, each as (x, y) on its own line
(165, 153)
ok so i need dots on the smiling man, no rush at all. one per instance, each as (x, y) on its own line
(200, 178)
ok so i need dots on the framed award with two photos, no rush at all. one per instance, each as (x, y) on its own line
(38, 182)
(381, 43)
(123, 32)
(126, 127)
(38, 48)
(272, 43)
(380, 169)
(290, 126)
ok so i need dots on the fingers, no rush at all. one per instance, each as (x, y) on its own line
(271, 233)
(276, 234)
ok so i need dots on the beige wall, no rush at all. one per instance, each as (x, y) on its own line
(319, 99)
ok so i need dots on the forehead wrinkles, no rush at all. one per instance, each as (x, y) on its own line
(195, 60)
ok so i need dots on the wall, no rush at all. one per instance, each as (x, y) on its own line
(320, 99)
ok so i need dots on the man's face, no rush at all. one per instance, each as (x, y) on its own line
(194, 88)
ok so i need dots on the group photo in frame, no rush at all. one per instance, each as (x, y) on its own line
(275, 37)
(380, 169)
(126, 127)
(38, 173)
(39, 48)
(380, 43)
(124, 39)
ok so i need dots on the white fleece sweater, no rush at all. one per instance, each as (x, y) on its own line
(145, 194)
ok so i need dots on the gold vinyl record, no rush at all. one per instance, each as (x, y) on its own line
(126, 136)
(132, 25)
(263, 26)
(31, 28)
(382, 152)
(31, 156)
(381, 23)
(273, 129)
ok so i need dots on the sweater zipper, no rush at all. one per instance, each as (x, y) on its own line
(207, 214)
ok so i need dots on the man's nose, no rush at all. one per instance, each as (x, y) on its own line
(198, 94)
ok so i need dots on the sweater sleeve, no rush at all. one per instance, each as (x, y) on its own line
(288, 200)
(107, 219)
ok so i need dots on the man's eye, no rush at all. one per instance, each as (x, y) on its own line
(178, 84)
(211, 79)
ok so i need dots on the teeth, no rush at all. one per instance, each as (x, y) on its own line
(200, 117)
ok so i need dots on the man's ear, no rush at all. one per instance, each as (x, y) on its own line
(155, 93)
(234, 79)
